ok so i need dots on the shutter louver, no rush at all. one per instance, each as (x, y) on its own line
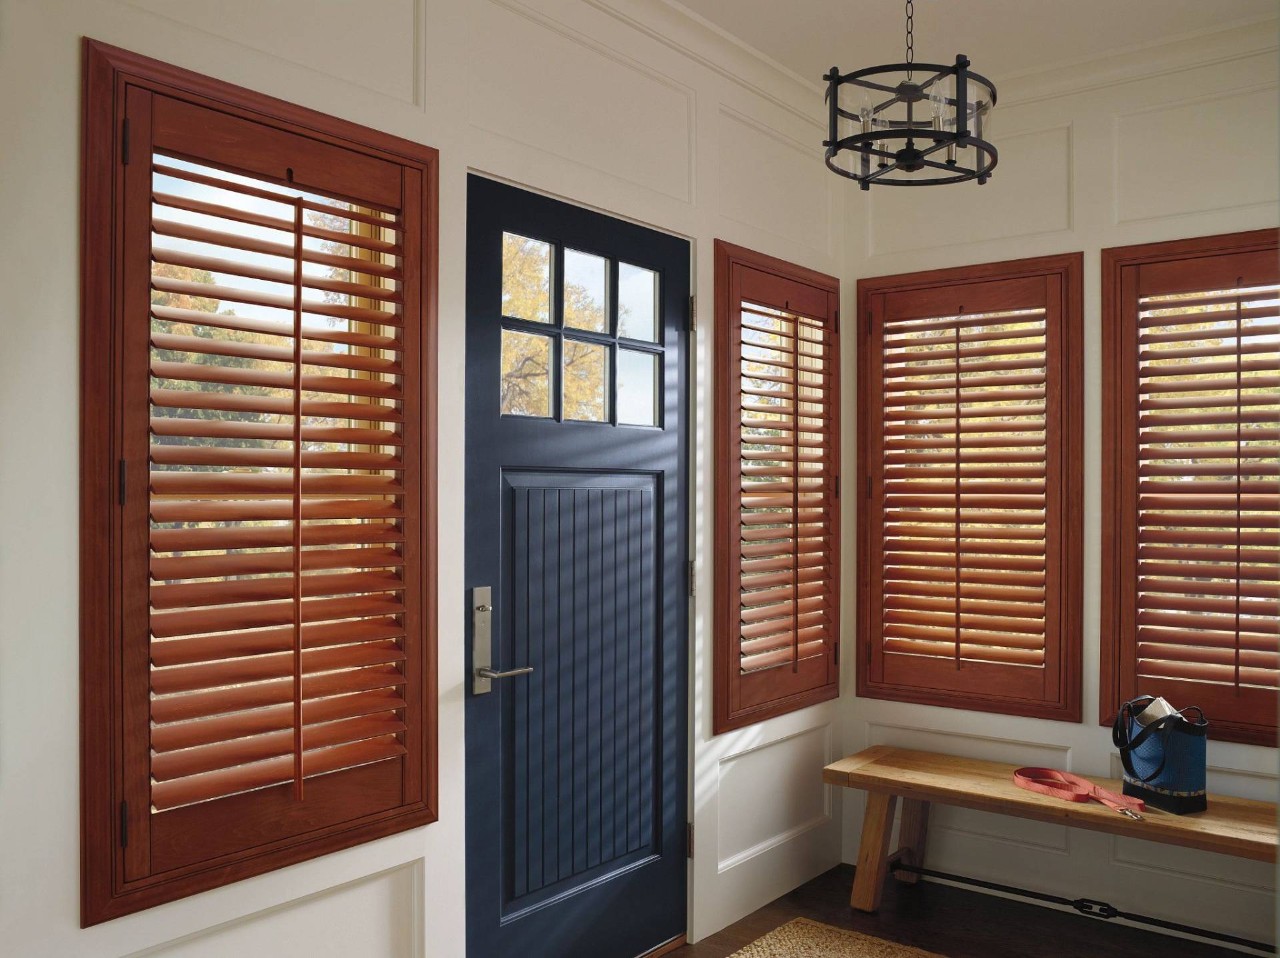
(970, 532)
(786, 445)
(778, 458)
(276, 486)
(963, 502)
(1209, 487)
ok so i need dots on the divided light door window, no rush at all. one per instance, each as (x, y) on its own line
(777, 487)
(271, 478)
(1191, 552)
(969, 400)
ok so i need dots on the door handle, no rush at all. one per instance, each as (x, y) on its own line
(509, 673)
(482, 644)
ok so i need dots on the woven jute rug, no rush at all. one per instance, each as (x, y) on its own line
(803, 938)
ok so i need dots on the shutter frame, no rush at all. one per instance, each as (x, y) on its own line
(116, 878)
(1055, 282)
(1128, 273)
(740, 699)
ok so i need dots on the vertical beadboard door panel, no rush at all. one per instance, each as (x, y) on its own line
(579, 776)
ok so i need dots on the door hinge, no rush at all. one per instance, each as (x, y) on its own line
(691, 571)
(121, 477)
(688, 840)
(693, 313)
(124, 142)
(124, 824)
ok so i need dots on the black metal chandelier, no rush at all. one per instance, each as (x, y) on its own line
(910, 124)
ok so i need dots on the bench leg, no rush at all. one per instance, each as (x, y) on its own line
(913, 832)
(873, 853)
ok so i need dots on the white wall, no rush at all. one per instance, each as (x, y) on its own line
(625, 105)
(1170, 142)
(631, 107)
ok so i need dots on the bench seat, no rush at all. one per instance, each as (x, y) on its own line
(1231, 826)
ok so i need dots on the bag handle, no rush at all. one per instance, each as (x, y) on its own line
(1165, 725)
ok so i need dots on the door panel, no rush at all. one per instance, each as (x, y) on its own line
(580, 785)
(576, 518)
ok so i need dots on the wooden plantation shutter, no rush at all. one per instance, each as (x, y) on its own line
(970, 469)
(777, 487)
(1191, 607)
(272, 477)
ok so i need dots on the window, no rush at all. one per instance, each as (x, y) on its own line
(970, 473)
(257, 544)
(588, 353)
(777, 487)
(1191, 479)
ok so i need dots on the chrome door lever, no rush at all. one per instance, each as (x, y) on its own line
(509, 673)
(482, 644)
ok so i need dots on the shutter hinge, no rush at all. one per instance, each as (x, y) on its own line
(124, 824)
(835, 651)
(837, 322)
(868, 487)
(868, 322)
(688, 839)
(121, 478)
(837, 485)
(693, 313)
(691, 570)
(124, 142)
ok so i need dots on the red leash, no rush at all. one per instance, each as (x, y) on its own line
(1073, 788)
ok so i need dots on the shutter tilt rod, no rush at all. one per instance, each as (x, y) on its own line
(1086, 906)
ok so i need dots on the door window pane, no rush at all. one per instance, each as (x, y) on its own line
(585, 281)
(526, 278)
(637, 302)
(586, 381)
(637, 388)
(526, 374)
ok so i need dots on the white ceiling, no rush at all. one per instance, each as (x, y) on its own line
(1001, 37)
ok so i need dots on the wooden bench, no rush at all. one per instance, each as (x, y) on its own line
(1230, 826)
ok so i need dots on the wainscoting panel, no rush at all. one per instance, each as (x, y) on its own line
(632, 121)
(335, 37)
(374, 917)
(773, 793)
(754, 160)
(1196, 174)
(1028, 194)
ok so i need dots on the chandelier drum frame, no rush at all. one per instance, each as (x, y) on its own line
(878, 152)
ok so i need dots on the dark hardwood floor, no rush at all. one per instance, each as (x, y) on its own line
(955, 923)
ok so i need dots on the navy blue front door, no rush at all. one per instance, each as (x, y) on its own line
(576, 523)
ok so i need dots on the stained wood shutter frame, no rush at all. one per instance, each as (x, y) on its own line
(969, 531)
(1191, 555)
(172, 806)
(777, 562)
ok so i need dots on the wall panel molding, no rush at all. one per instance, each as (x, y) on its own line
(732, 849)
(662, 170)
(1223, 181)
(726, 44)
(780, 215)
(1031, 193)
(409, 88)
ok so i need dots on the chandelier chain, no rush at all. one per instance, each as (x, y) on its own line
(911, 44)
